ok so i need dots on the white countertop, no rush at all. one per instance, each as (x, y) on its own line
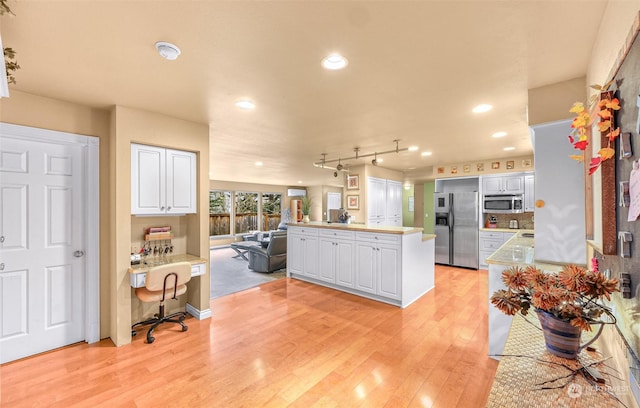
(519, 251)
(358, 227)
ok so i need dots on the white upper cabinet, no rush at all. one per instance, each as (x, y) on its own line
(394, 199)
(163, 181)
(529, 193)
(503, 185)
(384, 202)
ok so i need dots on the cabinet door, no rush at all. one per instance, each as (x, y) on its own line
(394, 199)
(148, 180)
(388, 271)
(295, 253)
(376, 198)
(491, 185)
(513, 184)
(529, 194)
(345, 263)
(366, 267)
(310, 257)
(327, 260)
(181, 182)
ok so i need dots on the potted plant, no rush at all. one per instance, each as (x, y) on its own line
(567, 302)
(306, 208)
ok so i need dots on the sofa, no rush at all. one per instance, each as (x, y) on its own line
(271, 258)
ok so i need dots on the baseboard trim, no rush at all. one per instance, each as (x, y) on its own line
(198, 314)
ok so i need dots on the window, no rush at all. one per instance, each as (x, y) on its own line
(271, 207)
(246, 214)
(219, 213)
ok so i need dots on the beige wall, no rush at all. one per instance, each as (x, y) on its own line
(551, 103)
(117, 129)
(135, 126)
(46, 113)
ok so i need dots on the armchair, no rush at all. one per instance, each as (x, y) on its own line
(271, 258)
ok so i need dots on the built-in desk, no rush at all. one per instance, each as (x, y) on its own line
(138, 273)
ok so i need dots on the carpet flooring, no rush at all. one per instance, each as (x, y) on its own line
(231, 275)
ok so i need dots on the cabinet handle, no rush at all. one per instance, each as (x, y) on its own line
(2, 239)
(2, 266)
(168, 208)
(162, 208)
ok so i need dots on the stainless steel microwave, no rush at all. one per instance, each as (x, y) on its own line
(503, 204)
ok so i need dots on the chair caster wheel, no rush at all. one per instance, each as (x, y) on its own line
(133, 333)
(150, 340)
(185, 328)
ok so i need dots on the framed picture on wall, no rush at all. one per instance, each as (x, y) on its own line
(353, 202)
(510, 164)
(353, 182)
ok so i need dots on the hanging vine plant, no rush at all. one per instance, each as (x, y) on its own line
(10, 62)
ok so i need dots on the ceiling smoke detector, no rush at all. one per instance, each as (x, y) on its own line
(167, 50)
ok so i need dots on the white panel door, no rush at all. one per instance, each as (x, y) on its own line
(327, 260)
(148, 180)
(365, 267)
(41, 224)
(181, 182)
(389, 271)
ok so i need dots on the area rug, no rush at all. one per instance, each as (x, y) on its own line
(231, 275)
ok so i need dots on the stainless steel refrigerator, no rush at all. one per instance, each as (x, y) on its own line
(456, 229)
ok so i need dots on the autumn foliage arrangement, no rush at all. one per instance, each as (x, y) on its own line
(583, 121)
(571, 295)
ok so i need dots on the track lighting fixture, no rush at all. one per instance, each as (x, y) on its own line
(340, 167)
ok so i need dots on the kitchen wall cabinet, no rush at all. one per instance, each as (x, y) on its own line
(529, 193)
(560, 235)
(503, 184)
(163, 181)
(384, 202)
(337, 258)
(302, 252)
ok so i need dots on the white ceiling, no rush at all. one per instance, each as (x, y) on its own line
(415, 71)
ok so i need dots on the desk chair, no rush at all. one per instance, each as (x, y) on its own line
(162, 281)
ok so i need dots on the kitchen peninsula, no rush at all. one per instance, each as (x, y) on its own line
(394, 265)
(517, 251)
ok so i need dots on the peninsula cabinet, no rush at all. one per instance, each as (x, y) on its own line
(378, 264)
(163, 181)
(336, 261)
(389, 264)
(302, 251)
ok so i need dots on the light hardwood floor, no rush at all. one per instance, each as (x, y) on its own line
(286, 343)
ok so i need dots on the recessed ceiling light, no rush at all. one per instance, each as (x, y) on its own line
(499, 134)
(167, 50)
(413, 148)
(424, 154)
(245, 104)
(259, 163)
(482, 108)
(334, 62)
(299, 181)
(508, 149)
